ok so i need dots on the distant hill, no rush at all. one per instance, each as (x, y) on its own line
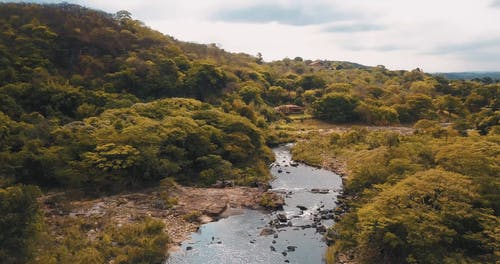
(495, 76)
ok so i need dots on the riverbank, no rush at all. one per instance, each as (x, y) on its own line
(293, 235)
(337, 165)
(205, 204)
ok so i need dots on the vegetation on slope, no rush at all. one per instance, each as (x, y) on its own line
(90, 101)
(142, 242)
(431, 197)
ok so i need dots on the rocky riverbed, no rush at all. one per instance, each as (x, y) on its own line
(210, 203)
(292, 235)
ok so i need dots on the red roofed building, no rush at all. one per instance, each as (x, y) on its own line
(289, 109)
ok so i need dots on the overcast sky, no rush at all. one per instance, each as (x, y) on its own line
(435, 35)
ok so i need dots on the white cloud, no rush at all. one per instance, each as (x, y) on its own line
(401, 34)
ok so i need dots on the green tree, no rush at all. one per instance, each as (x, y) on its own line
(419, 106)
(277, 95)
(450, 104)
(426, 218)
(123, 15)
(312, 81)
(251, 94)
(204, 80)
(20, 222)
(336, 107)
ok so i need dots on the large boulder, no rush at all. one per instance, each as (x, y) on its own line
(282, 218)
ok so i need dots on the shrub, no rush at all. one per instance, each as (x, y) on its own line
(192, 217)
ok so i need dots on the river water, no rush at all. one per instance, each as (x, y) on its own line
(237, 239)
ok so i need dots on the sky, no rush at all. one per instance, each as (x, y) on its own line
(434, 35)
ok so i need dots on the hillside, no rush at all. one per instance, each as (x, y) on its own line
(487, 77)
(95, 104)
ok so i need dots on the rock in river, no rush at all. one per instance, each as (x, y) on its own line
(282, 218)
(267, 232)
(291, 248)
(321, 229)
(322, 191)
(301, 207)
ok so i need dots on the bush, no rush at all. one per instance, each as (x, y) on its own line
(336, 107)
(140, 242)
(20, 222)
(192, 217)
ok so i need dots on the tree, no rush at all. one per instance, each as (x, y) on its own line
(423, 87)
(419, 106)
(251, 94)
(336, 107)
(204, 80)
(475, 102)
(312, 81)
(259, 59)
(426, 218)
(451, 104)
(276, 95)
(382, 115)
(123, 15)
(213, 167)
(20, 222)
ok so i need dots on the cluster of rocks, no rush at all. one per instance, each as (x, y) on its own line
(318, 216)
(290, 164)
(282, 221)
(281, 171)
(342, 206)
(338, 212)
(285, 252)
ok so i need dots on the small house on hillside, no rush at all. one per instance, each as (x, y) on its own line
(289, 109)
(316, 63)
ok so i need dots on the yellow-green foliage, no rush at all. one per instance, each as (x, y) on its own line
(185, 139)
(311, 150)
(74, 87)
(271, 201)
(428, 217)
(168, 187)
(193, 217)
(20, 222)
(421, 199)
(91, 241)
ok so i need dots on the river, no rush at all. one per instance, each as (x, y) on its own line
(298, 239)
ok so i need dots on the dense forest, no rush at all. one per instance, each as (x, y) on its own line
(99, 103)
(431, 197)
